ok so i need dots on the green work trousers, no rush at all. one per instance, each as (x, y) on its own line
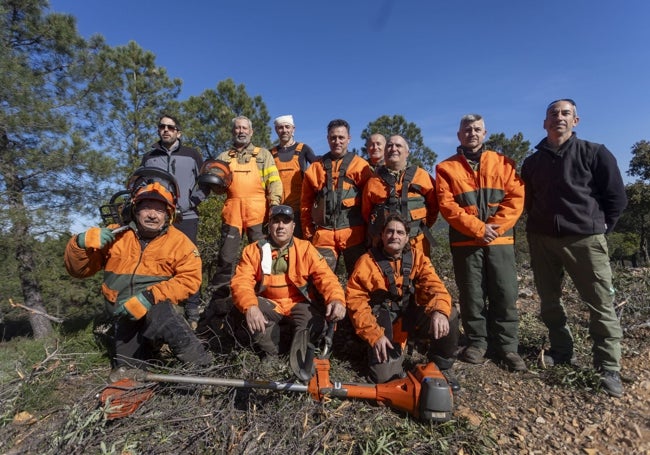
(487, 284)
(585, 259)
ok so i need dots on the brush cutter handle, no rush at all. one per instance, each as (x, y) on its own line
(206, 380)
(327, 341)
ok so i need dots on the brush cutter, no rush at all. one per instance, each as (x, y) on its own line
(423, 393)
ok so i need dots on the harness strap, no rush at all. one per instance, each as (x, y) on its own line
(397, 303)
(391, 180)
(327, 165)
(274, 150)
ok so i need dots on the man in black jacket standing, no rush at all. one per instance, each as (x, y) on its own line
(574, 196)
(184, 163)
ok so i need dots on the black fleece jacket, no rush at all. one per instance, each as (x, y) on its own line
(577, 190)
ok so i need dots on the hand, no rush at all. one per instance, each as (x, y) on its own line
(136, 307)
(490, 232)
(96, 238)
(438, 325)
(192, 314)
(335, 311)
(381, 348)
(255, 319)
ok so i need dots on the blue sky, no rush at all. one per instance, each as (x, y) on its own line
(430, 61)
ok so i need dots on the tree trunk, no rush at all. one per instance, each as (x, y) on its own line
(23, 241)
(41, 326)
(643, 244)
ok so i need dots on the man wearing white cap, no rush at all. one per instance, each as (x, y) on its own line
(292, 159)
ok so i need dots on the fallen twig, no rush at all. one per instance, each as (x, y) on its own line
(35, 311)
(638, 326)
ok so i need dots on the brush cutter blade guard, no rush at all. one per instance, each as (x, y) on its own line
(122, 398)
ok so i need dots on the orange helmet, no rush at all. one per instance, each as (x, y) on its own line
(157, 192)
(156, 184)
(216, 174)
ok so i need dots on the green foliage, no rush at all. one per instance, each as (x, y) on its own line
(575, 378)
(47, 170)
(208, 117)
(640, 162)
(635, 219)
(31, 370)
(209, 232)
(69, 298)
(135, 93)
(622, 245)
(516, 148)
(420, 154)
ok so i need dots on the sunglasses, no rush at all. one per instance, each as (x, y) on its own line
(163, 127)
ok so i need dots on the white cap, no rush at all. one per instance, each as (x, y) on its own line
(284, 119)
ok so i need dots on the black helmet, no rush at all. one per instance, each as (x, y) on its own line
(144, 176)
(215, 174)
(122, 204)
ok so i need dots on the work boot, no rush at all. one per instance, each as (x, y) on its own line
(513, 361)
(473, 354)
(611, 383)
(452, 380)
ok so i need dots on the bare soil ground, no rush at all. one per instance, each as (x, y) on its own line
(542, 411)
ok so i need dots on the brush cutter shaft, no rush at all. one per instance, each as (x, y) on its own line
(239, 383)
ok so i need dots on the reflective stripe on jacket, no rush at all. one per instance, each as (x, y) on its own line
(470, 199)
(305, 265)
(169, 266)
(268, 176)
(368, 280)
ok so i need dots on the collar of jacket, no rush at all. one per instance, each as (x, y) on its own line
(159, 146)
(244, 155)
(276, 247)
(464, 152)
(134, 227)
(544, 145)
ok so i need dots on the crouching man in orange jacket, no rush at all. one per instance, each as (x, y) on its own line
(275, 280)
(395, 294)
(148, 269)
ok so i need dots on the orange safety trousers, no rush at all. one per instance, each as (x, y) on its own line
(245, 204)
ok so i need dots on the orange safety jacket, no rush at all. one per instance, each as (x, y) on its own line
(368, 286)
(291, 176)
(344, 207)
(471, 199)
(306, 268)
(255, 183)
(421, 202)
(169, 266)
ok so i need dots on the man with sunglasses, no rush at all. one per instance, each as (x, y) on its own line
(574, 196)
(184, 163)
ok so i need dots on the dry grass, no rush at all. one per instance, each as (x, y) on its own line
(49, 405)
